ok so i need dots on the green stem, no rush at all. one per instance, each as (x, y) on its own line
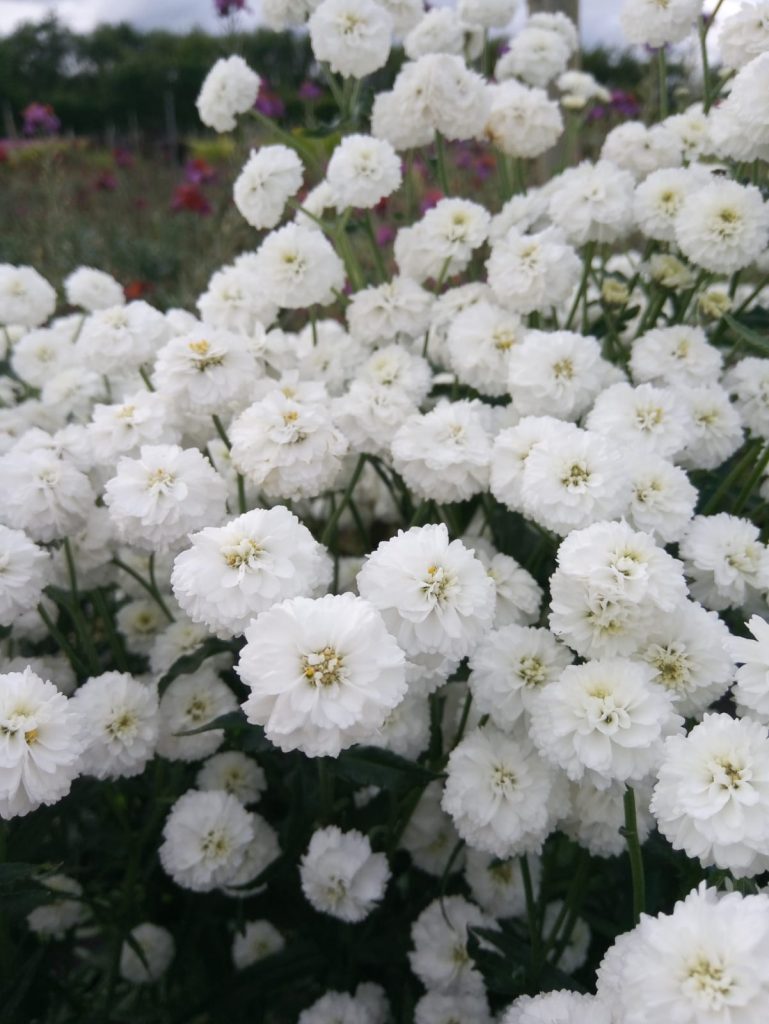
(463, 720)
(326, 788)
(375, 249)
(582, 290)
(151, 590)
(442, 166)
(751, 482)
(75, 660)
(751, 451)
(84, 635)
(535, 938)
(662, 78)
(146, 378)
(331, 525)
(242, 503)
(286, 137)
(634, 851)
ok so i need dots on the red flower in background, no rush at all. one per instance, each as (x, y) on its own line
(188, 197)
(430, 199)
(136, 290)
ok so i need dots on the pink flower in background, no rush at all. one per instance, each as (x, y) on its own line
(123, 157)
(198, 171)
(105, 182)
(430, 199)
(385, 234)
(39, 119)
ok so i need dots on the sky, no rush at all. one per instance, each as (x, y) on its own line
(600, 18)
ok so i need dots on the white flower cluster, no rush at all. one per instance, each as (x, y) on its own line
(497, 510)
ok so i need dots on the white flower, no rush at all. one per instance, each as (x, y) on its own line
(649, 417)
(519, 596)
(744, 34)
(370, 415)
(353, 36)
(259, 854)
(393, 366)
(289, 447)
(748, 381)
(657, 22)
(237, 298)
(267, 180)
(26, 298)
(555, 370)
(120, 724)
(341, 876)
(662, 498)
(58, 916)
(479, 342)
(297, 266)
(25, 569)
(715, 431)
(230, 88)
(532, 273)
(442, 243)
(604, 720)
(232, 573)
(342, 1008)
(40, 743)
(439, 1008)
(497, 885)
(191, 702)
(141, 418)
(92, 289)
(117, 340)
(725, 559)
(572, 478)
(723, 227)
(434, 594)
(437, 92)
(205, 840)
(204, 371)
(712, 795)
(536, 54)
(502, 796)
(596, 818)
(430, 836)
(444, 454)
(45, 496)
(323, 673)
(157, 946)
(658, 200)
(641, 150)
(510, 667)
(707, 959)
(751, 690)
(678, 355)
(362, 171)
(41, 354)
(233, 772)
(254, 941)
(439, 958)
(561, 1007)
(382, 312)
(157, 498)
(592, 203)
(522, 122)
(406, 730)
(579, 88)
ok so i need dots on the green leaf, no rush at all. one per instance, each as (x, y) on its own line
(758, 342)
(370, 766)
(192, 662)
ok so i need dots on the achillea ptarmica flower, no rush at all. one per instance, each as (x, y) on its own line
(341, 876)
(323, 674)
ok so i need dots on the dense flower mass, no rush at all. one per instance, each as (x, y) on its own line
(384, 635)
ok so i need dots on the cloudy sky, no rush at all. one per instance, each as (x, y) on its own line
(600, 18)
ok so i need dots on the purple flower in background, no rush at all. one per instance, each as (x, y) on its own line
(310, 90)
(268, 102)
(622, 103)
(39, 119)
(385, 233)
(225, 7)
(198, 171)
